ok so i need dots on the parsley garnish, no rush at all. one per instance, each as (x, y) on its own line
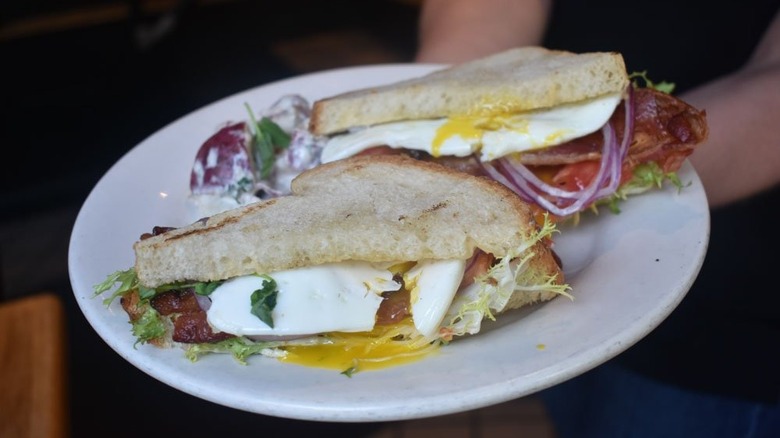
(268, 138)
(264, 300)
(244, 185)
(206, 288)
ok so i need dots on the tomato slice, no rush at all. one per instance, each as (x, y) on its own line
(577, 176)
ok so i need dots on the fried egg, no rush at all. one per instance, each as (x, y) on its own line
(315, 299)
(335, 297)
(490, 136)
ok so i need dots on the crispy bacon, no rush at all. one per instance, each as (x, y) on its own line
(189, 319)
(664, 125)
(478, 266)
(394, 307)
(176, 301)
(193, 328)
(666, 130)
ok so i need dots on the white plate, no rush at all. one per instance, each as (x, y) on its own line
(627, 271)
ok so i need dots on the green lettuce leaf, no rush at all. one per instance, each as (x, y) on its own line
(491, 292)
(239, 347)
(663, 86)
(646, 176)
(127, 281)
(268, 138)
(149, 326)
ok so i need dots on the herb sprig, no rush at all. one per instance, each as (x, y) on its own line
(268, 138)
(263, 300)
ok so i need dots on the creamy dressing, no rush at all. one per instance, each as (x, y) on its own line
(239, 181)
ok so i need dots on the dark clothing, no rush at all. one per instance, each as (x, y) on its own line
(612, 401)
(687, 42)
(724, 338)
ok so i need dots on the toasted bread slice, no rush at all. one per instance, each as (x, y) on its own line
(516, 80)
(370, 208)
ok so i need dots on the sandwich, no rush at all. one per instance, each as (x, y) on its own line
(371, 261)
(564, 131)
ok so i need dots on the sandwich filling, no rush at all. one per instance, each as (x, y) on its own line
(489, 136)
(563, 160)
(342, 297)
(348, 316)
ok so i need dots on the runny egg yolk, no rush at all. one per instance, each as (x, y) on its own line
(471, 129)
(489, 135)
(462, 126)
(383, 347)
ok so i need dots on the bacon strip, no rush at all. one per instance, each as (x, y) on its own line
(395, 306)
(666, 130)
(664, 125)
(176, 301)
(189, 320)
(193, 328)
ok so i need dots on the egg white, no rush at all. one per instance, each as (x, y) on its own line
(341, 297)
(316, 299)
(433, 286)
(492, 136)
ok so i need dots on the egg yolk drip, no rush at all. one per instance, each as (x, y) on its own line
(382, 347)
(489, 130)
(472, 128)
(462, 126)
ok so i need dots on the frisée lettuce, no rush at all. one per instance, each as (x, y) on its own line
(491, 292)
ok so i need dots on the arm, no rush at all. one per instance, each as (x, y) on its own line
(460, 30)
(742, 154)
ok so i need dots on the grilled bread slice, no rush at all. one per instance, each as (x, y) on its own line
(369, 208)
(516, 80)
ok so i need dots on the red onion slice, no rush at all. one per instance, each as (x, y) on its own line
(203, 301)
(488, 168)
(513, 174)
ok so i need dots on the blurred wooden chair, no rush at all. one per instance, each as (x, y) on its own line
(33, 393)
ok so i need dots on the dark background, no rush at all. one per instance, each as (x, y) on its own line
(80, 88)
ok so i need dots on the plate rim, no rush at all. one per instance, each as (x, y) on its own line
(468, 398)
